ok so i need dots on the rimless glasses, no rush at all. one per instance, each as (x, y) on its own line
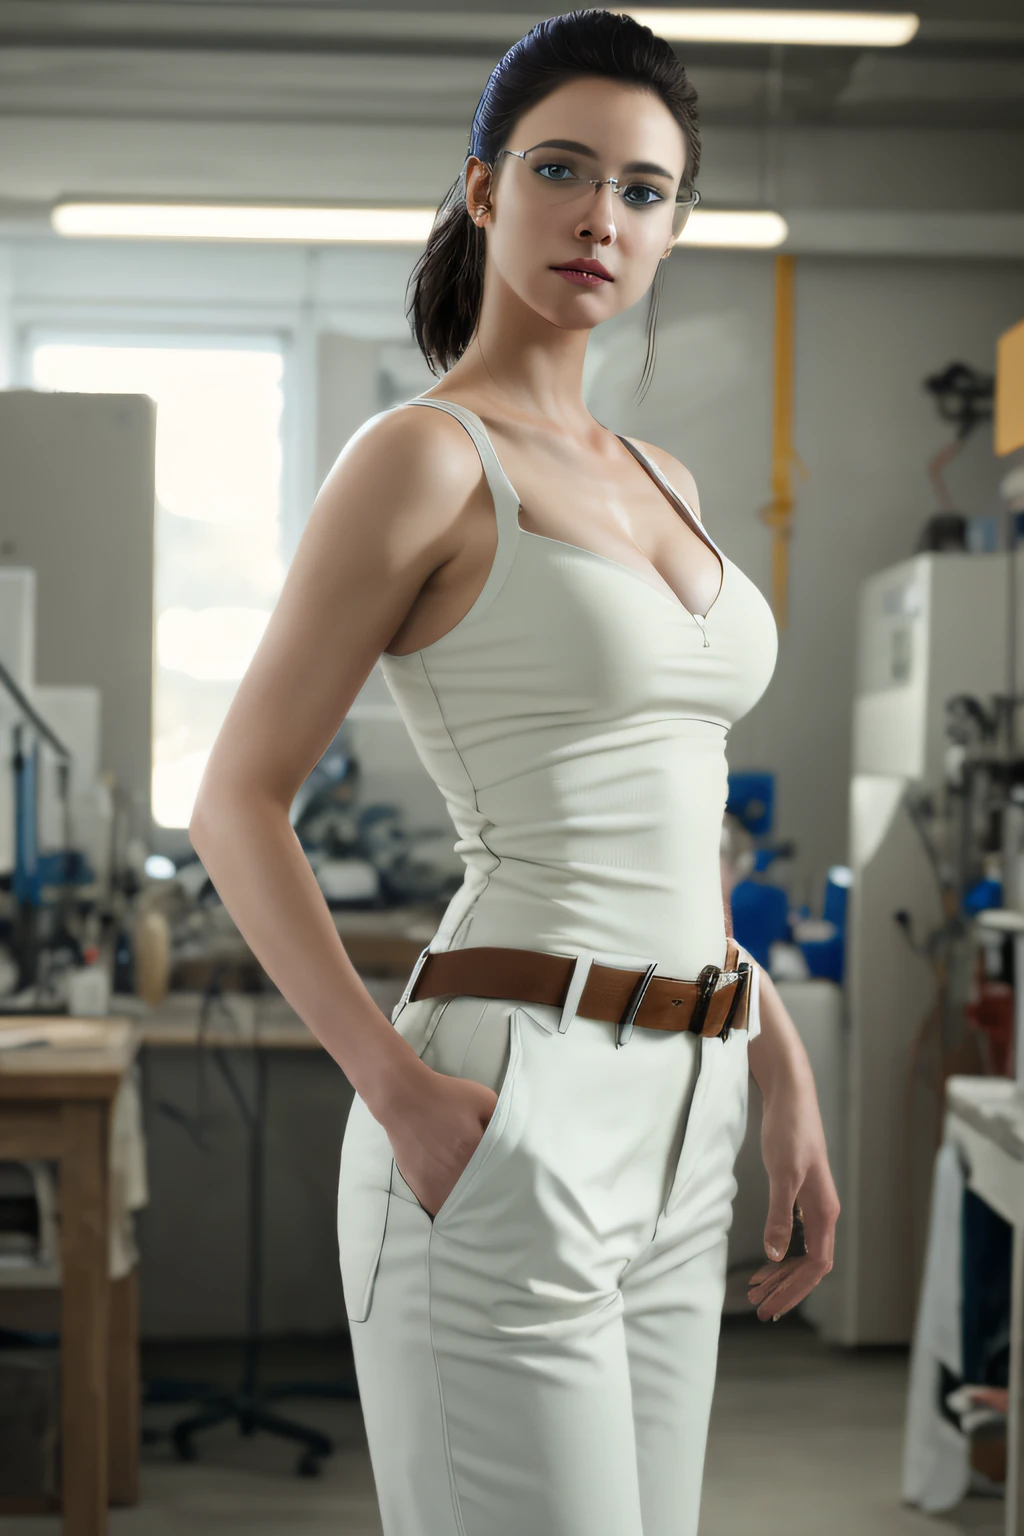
(561, 172)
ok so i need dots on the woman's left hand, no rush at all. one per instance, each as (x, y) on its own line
(796, 1160)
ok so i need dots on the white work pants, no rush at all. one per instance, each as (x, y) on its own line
(539, 1358)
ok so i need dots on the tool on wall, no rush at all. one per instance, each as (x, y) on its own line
(964, 397)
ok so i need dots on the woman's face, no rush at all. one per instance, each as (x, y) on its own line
(532, 229)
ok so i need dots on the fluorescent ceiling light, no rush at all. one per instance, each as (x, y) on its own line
(844, 29)
(228, 221)
(755, 230)
(328, 226)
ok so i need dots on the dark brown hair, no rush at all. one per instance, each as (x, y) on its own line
(447, 280)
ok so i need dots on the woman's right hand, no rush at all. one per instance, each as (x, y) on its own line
(434, 1126)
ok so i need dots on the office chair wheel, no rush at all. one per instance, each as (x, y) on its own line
(184, 1446)
(309, 1465)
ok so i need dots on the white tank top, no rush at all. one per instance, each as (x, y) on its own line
(575, 721)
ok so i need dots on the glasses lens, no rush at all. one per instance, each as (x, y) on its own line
(561, 176)
(685, 204)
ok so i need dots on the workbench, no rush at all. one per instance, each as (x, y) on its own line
(56, 1104)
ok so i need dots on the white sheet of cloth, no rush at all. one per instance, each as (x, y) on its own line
(128, 1184)
(936, 1455)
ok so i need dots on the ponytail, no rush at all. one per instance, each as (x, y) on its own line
(448, 282)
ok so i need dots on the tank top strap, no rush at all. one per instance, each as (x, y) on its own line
(674, 496)
(506, 499)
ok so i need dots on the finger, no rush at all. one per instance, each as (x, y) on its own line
(778, 1230)
(776, 1298)
(757, 1293)
(777, 1306)
(769, 1273)
(790, 1293)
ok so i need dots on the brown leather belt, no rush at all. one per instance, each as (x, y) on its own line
(718, 1001)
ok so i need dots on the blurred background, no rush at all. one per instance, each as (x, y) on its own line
(209, 213)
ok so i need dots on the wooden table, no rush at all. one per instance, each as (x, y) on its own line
(55, 1104)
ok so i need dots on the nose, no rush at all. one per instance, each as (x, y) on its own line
(598, 221)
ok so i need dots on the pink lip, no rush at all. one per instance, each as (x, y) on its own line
(583, 279)
(584, 264)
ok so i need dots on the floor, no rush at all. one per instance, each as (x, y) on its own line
(805, 1437)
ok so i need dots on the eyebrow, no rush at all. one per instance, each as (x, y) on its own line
(637, 167)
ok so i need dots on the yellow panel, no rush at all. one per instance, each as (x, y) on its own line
(1009, 411)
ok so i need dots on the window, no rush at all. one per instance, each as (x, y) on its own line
(219, 561)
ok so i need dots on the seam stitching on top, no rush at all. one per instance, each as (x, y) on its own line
(470, 780)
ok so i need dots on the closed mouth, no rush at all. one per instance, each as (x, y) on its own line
(585, 272)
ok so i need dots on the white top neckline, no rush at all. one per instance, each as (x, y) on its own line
(672, 495)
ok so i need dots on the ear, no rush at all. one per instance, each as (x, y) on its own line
(478, 186)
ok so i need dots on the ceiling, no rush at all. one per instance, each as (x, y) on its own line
(409, 63)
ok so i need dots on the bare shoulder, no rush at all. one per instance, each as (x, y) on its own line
(677, 475)
(425, 456)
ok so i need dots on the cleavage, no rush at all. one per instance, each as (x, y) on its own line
(701, 564)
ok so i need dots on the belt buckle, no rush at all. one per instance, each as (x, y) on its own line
(421, 960)
(744, 975)
(625, 1025)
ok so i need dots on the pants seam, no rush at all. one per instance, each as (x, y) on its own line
(476, 1031)
(456, 1507)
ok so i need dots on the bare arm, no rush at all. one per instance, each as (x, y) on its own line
(380, 525)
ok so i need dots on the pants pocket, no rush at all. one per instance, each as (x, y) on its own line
(480, 1043)
(694, 1141)
(703, 1182)
(365, 1175)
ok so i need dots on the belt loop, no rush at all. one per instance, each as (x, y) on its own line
(577, 982)
(624, 1028)
(410, 986)
(753, 997)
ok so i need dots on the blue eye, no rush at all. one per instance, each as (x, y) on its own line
(553, 165)
(640, 186)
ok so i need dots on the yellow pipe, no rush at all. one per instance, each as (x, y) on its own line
(778, 512)
(1009, 409)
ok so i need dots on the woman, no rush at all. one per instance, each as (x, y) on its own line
(536, 1175)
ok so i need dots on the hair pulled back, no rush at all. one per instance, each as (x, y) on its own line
(447, 280)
